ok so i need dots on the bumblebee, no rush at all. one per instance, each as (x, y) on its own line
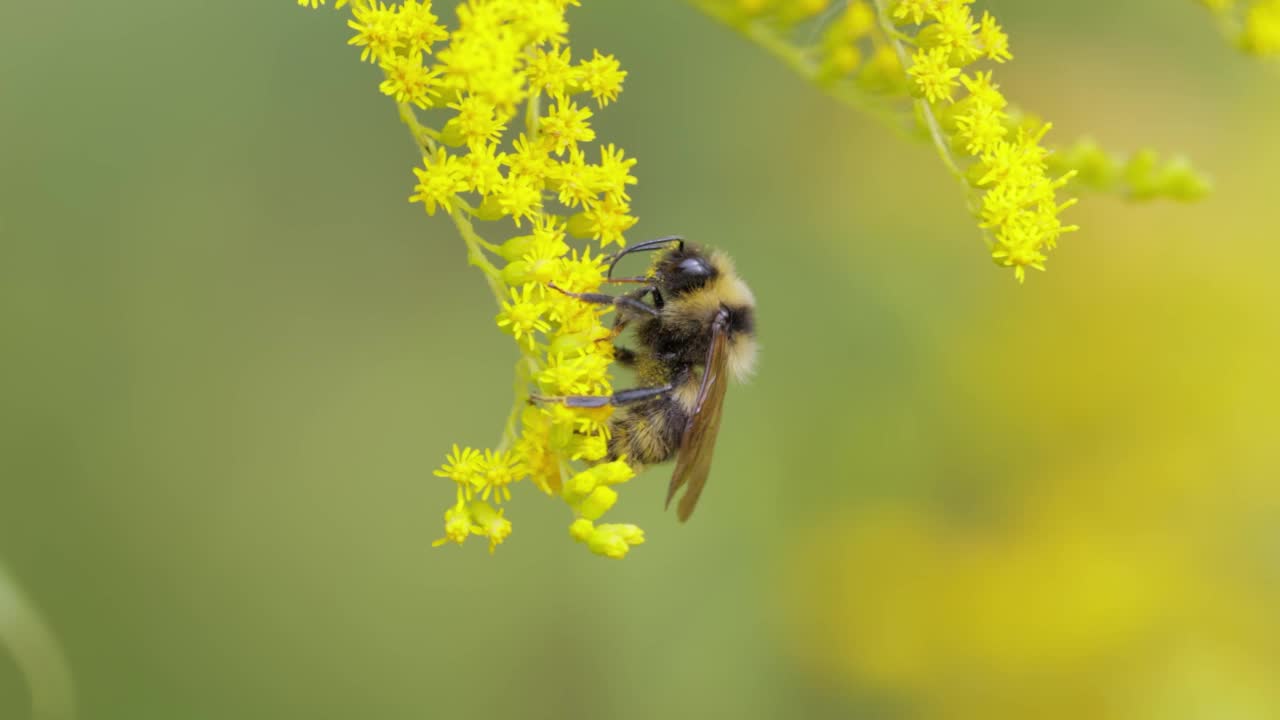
(696, 329)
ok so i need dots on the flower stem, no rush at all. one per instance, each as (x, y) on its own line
(800, 61)
(35, 650)
(426, 139)
(926, 112)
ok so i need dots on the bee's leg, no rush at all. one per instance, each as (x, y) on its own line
(623, 317)
(625, 357)
(622, 397)
(629, 302)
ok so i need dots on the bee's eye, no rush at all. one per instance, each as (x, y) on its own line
(696, 267)
(680, 275)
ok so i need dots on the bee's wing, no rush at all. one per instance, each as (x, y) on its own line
(699, 439)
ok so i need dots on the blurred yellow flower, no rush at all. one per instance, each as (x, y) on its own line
(1253, 25)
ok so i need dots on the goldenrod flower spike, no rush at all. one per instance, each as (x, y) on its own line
(915, 65)
(504, 141)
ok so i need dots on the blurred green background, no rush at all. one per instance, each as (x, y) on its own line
(233, 353)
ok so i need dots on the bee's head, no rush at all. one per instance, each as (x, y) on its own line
(684, 269)
(700, 284)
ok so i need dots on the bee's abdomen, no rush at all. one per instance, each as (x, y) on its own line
(648, 433)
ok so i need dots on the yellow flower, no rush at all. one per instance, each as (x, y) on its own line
(407, 80)
(598, 502)
(582, 273)
(439, 182)
(552, 72)
(994, 42)
(915, 11)
(573, 179)
(981, 127)
(566, 125)
(519, 197)
(614, 173)
(490, 523)
(933, 74)
(458, 525)
(418, 26)
(614, 541)
(482, 168)
(377, 31)
(541, 21)
(529, 161)
(954, 32)
(463, 467)
(497, 471)
(477, 123)
(602, 77)
(982, 89)
(522, 316)
(1262, 28)
(605, 221)
(591, 447)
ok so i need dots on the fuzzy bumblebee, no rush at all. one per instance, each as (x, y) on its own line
(696, 330)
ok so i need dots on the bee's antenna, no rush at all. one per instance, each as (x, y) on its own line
(646, 245)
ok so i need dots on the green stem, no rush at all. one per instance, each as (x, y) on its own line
(35, 650)
(922, 105)
(524, 375)
(427, 140)
(931, 121)
(475, 253)
(532, 114)
(801, 62)
(425, 137)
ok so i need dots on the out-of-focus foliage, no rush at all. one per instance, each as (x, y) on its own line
(1253, 25)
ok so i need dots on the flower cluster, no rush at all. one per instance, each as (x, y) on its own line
(1141, 176)
(1004, 160)
(1255, 24)
(863, 57)
(851, 45)
(507, 135)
